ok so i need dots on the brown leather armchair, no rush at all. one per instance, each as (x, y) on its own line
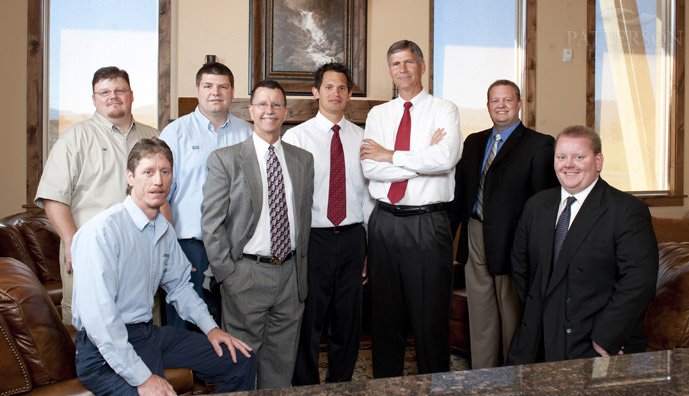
(31, 239)
(36, 349)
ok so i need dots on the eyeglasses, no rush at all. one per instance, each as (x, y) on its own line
(264, 106)
(106, 92)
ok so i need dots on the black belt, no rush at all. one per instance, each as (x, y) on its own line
(268, 260)
(411, 210)
(336, 230)
(474, 216)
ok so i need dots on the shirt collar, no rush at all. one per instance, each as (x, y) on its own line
(324, 124)
(138, 216)
(203, 120)
(420, 97)
(505, 133)
(102, 121)
(580, 196)
(262, 146)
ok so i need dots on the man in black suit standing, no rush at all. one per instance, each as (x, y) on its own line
(500, 169)
(584, 262)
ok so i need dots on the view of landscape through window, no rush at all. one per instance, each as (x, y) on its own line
(85, 35)
(474, 44)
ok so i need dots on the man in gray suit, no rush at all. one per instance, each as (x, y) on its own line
(256, 219)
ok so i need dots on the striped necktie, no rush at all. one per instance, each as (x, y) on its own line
(491, 157)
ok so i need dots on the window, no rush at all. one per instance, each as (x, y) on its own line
(633, 80)
(474, 44)
(85, 35)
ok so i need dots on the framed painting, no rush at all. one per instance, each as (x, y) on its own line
(290, 39)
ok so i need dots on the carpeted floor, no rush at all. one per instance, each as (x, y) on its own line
(363, 369)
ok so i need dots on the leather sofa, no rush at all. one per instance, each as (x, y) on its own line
(36, 349)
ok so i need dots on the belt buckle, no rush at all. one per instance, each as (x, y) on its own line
(336, 231)
(275, 261)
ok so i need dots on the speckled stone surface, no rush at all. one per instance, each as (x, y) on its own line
(650, 373)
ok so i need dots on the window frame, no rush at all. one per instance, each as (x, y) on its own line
(675, 195)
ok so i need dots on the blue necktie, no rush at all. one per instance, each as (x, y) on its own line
(561, 228)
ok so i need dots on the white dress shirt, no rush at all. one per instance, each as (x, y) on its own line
(576, 205)
(259, 244)
(429, 169)
(315, 136)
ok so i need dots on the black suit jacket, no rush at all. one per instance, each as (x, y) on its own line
(604, 278)
(522, 167)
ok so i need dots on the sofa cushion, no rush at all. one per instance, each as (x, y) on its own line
(43, 243)
(666, 321)
(35, 324)
(14, 372)
(671, 230)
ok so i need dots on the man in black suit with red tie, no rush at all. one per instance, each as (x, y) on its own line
(584, 262)
(500, 169)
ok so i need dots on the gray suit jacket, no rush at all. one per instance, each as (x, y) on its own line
(232, 202)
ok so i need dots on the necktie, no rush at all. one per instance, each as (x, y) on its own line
(337, 195)
(279, 222)
(491, 157)
(397, 189)
(561, 228)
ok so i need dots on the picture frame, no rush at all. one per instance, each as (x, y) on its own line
(290, 39)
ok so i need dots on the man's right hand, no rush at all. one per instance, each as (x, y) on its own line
(155, 386)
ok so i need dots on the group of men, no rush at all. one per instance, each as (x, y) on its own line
(272, 237)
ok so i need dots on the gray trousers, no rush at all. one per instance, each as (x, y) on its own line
(260, 306)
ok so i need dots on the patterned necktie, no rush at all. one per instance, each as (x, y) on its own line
(489, 161)
(561, 228)
(337, 195)
(279, 222)
(397, 189)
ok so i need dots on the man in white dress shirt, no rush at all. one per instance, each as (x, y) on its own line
(337, 246)
(411, 146)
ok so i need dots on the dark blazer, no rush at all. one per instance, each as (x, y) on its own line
(605, 277)
(522, 167)
(232, 202)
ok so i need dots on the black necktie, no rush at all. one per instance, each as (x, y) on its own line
(561, 228)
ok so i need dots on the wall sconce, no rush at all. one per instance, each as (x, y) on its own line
(211, 58)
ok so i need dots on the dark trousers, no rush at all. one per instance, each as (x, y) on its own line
(333, 304)
(160, 348)
(410, 264)
(196, 254)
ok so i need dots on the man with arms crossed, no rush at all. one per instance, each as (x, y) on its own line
(256, 220)
(337, 246)
(500, 169)
(410, 165)
(121, 257)
(584, 262)
(85, 171)
(192, 138)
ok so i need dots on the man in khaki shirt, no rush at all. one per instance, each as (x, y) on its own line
(85, 171)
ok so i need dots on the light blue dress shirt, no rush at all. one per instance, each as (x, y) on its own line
(192, 138)
(120, 258)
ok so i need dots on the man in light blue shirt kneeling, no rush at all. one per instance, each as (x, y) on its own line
(120, 258)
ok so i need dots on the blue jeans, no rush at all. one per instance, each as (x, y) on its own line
(160, 348)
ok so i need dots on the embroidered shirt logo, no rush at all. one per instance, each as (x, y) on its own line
(197, 147)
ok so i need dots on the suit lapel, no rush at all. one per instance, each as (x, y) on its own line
(588, 216)
(510, 143)
(546, 222)
(296, 175)
(248, 162)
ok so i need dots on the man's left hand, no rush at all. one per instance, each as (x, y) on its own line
(599, 350)
(217, 336)
(374, 151)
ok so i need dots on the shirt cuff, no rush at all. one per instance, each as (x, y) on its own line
(207, 324)
(138, 374)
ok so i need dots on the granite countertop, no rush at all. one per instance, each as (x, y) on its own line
(650, 373)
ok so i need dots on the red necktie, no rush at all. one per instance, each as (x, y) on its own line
(397, 189)
(337, 195)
